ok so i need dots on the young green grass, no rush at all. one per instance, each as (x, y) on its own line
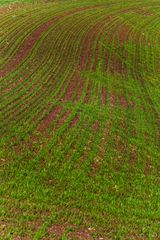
(80, 130)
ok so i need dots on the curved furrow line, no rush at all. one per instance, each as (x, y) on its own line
(36, 22)
(80, 119)
(101, 30)
(73, 86)
(33, 56)
(27, 64)
(116, 36)
(120, 45)
(152, 118)
(25, 48)
(69, 140)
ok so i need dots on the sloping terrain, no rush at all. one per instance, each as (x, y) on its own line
(80, 120)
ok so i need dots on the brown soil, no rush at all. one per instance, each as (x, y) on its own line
(80, 235)
(95, 126)
(31, 40)
(112, 64)
(57, 230)
(15, 84)
(80, 89)
(123, 101)
(99, 28)
(132, 104)
(72, 87)
(148, 168)
(104, 95)
(106, 61)
(133, 154)
(75, 121)
(96, 164)
(22, 238)
(88, 93)
(116, 66)
(145, 12)
(84, 56)
(88, 46)
(119, 35)
(25, 48)
(96, 93)
(49, 118)
(64, 117)
(122, 34)
(112, 99)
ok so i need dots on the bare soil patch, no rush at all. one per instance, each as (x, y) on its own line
(104, 95)
(49, 118)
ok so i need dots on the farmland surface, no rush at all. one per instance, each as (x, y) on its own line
(80, 120)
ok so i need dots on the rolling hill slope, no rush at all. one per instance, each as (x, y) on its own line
(80, 120)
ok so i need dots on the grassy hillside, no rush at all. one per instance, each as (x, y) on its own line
(80, 120)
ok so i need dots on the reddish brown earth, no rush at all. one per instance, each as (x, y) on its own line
(132, 104)
(96, 92)
(80, 89)
(28, 103)
(72, 87)
(31, 40)
(81, 235)
(133, 154)
(88, 92)
(106, 61)
(75, 121)
(96, 164)
(59, 230)
(134, 236)
(64, 117)
(49, 118)
(116, 66)
(123, 101)
(25, 48)
(148, 168)
(98, 30)
(122, 34)
(83, 56)
(95, 126)
(14, 84)
(119, 35)
(88, 46)
(104, 95)
(112, 99)
(22, 238)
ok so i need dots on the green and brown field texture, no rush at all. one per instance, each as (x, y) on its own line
(80, 120)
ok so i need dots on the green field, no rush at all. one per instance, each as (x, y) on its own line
(80, 120)
(2, 2)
